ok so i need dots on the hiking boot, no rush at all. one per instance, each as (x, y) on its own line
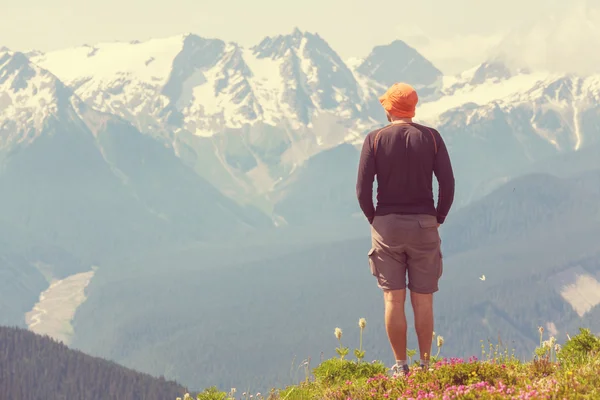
(400, 370)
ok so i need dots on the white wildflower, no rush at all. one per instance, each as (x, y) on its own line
(362, 323)
(440, 341)
(338, 333)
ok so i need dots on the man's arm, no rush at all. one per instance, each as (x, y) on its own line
(445, 177)
(366, 176)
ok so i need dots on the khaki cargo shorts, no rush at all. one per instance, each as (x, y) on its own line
(406, 245)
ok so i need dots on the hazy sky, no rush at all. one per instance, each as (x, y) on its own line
(444, 30)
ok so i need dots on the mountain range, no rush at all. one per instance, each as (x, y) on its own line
(245, 119)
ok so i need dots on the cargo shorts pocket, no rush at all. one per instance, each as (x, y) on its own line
(371, 254)
(428, 232)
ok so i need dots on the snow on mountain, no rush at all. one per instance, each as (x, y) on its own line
(476, 86)
(312, 77)
(105, 61)
(566, 100)
(124, 79)
(216, 94)
(206, 85)
(28, 97)
(487, 72)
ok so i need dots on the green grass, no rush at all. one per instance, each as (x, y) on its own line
(554, 372)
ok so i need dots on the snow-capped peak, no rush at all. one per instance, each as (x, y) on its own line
(280, 45)
(149, 62)
(313, 77)
(28, 96)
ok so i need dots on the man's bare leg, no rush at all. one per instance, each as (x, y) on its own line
(395, 321)
(423, 309)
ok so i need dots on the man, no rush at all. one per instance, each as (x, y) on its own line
(404, 226)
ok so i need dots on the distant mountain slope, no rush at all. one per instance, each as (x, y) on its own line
(517, 208)
(322, 190)
(570, 163)
(37, 368)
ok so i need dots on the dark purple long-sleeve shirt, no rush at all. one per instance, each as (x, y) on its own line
(404, 157)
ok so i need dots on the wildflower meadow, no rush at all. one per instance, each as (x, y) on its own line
(568, 371)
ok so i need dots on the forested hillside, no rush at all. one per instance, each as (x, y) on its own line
(33, 367)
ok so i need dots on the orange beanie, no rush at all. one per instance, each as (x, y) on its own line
(400, 100)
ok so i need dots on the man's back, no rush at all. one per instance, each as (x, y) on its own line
(404, 157)
(405, 240)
